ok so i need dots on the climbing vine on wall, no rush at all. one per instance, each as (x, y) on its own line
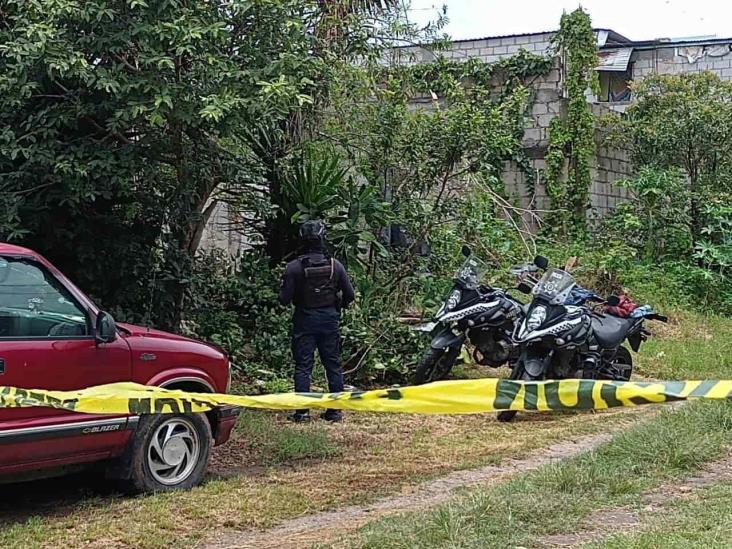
(571, 137)
(499, 80)
(502, 75)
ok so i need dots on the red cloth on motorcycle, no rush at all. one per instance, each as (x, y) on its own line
(624, 308)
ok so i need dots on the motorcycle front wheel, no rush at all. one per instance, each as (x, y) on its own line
(435, 365)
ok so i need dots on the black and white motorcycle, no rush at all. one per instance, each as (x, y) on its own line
(473, 312)
(561, 341)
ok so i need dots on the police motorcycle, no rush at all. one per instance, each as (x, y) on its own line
(473, 312)
(561, 341)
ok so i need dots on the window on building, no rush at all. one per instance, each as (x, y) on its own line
(614, 86)
(615, 71)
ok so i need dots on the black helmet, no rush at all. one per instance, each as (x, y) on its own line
(312, 230)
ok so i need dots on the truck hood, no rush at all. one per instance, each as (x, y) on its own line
(139, 331)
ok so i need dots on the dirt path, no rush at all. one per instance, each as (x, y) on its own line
(622, 520)
(324, 527)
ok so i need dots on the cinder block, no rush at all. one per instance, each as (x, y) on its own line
(508, 40)
(544, 120)
(540, 108)
(489, 58)
(553, 76)
(532, 136)
(500, 50)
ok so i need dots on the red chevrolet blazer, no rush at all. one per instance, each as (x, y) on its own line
(52, 336)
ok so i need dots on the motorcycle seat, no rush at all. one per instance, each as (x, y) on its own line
(610, 331)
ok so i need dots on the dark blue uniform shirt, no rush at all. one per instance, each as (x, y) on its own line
(324, 318)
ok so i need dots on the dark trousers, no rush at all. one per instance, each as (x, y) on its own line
(317, 329)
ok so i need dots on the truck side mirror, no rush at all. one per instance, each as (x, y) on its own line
(466, 251)
(106, 329)
(541, 262)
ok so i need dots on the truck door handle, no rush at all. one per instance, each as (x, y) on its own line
(2, 366)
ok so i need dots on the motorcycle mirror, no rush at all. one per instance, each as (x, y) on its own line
(541, 262)
(466, 251)
(524, 288)
(613, 301)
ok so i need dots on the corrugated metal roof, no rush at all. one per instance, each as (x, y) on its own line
(616, 36)
(496, 36)
(614, 60)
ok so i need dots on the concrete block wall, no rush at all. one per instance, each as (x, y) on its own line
(493, 49)
(674, 60)
(218, 234)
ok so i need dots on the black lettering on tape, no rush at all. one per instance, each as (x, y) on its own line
(703, 389)
(139, 405)
(202, 403)
(70, 404)
(583, 395)
(506, 391)
(531, 396)
(609, 393)
(317, 396)
(392, 394)
(172, 403)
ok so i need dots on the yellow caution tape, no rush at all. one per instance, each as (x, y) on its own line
(444, 397)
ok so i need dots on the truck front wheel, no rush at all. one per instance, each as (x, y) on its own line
(169, 452)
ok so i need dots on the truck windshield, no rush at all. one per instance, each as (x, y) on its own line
(34, 304)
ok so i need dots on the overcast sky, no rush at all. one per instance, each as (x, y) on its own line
(636, 19)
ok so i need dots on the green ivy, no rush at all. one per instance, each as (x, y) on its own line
(571, 138)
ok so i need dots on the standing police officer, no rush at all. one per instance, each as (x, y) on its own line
(319, 287)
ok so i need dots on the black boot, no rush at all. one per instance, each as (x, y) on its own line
(334, 416)
(299, 416)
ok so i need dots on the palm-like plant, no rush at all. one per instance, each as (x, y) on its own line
(318, 187)
(312, 189)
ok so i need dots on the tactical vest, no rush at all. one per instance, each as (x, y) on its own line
(319, 289)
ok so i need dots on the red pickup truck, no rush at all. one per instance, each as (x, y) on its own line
(52, 336)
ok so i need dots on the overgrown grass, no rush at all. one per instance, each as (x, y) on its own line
(285, 443)
(690, 346)
(377, 454)
(274, 470)
(555, 498)
(703, 522)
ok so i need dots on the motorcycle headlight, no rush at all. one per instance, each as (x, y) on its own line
(452, 301)
(536, 318)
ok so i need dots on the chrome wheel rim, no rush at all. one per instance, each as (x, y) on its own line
(173, 451)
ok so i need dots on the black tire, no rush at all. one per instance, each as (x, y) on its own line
(154, 467)
(518, 372)
(618, 368)
(435, 365)
(624, 358)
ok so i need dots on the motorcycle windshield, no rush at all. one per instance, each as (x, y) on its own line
(555, 286)
(471, 272)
